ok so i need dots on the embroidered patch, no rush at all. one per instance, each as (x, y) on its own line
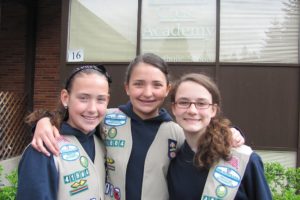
(114, 143)
(78, 184)
(210, 198)
(112, 132)
(69, 152)
(84, 161)
(110, 164)
(221, 191)
(227, 176)
(76, 176)
(172, 144)
(234, 162)
(78, 187)
(115, 119)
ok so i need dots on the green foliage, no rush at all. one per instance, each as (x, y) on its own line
(8, 192)
(284, 182)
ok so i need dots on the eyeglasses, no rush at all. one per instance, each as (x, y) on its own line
(187, 104)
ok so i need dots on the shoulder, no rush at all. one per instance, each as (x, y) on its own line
(255, 159)
(254, 166)
(172, 127)
(33, 159)
(31, 153)
(173, 131)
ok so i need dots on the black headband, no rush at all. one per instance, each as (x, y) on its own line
(99, 68)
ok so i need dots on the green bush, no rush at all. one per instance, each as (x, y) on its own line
(8, 192)
(284, 182)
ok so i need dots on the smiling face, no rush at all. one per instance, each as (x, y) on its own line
(147, 89)
(87, 101)
(193, 120)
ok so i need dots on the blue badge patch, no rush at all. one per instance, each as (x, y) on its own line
(115, 119)
(227, 176)
(172, 146)
(69, 152)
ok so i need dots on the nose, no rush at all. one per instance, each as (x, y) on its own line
(92, 106)
(147, 91)
(192, 108)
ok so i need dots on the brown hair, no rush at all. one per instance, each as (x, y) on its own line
(151, 59)
(61, 113)
(215, 143)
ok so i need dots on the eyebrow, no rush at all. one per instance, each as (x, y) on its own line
(198, 99)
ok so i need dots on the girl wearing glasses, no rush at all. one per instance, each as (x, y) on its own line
(79, 171)
(140, 137)
(207, 167)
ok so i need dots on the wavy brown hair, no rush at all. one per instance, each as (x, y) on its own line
(215, 143)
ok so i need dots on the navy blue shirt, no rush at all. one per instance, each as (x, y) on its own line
(38, 176)
(143, 134)
(186, 182)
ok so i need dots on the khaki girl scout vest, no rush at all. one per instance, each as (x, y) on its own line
(79, 177)
(224, 179)
(118, 142)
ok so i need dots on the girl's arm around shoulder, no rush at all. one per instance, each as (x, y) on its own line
(254, 179)
(38, 176)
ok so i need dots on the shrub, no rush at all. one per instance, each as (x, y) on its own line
(8, 192)
(284, 182)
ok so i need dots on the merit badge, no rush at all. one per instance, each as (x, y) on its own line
(112, 132)
(115, 119)
(84, 161)
(172, 144)
(110, 164)
(69, 152)
(78, 187)
(227, 176)
(221, 191)
(234, 162)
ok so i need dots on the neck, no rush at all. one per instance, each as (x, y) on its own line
(193, 139)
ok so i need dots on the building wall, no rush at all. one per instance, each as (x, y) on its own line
(46, 86)
(12, 48)
(13, 52)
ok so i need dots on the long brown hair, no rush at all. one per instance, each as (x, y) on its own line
(214, 144)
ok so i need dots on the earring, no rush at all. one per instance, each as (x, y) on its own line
(66, 107)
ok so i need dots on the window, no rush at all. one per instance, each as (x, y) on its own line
(251, 31)
(102, 30)
(179, 31)
(259, 31)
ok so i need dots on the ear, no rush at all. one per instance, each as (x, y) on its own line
(64, 97)
(173, 108)
(214, 108)
(126, 87)
(169, 86)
